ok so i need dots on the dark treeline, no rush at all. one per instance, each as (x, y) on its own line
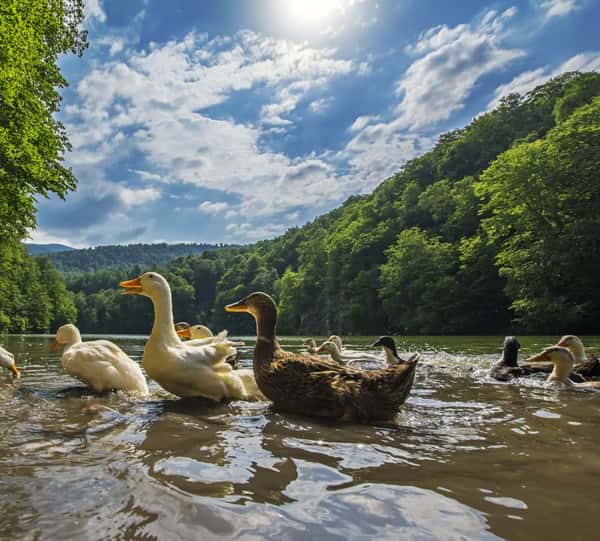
(495, 229)
(124, 256)
(33, 297)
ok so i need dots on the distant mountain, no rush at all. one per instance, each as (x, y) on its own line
(147, 256)
(41, 249)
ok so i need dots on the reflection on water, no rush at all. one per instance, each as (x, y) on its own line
(467, 458)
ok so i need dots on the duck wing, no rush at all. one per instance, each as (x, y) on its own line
(101, 364)
(307, 384)
(212, 355)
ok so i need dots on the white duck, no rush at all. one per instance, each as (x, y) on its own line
(563, 361)
(7, 360)
(187, 369)
(100, 364)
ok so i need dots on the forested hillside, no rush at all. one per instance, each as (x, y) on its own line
(495, 229)
(124, 256)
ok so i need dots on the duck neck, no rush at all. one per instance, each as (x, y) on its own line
(335, 354)
(509, 359)
(578, 352)
(266, 341)
(72, 339)
(164, 327)
(561, 371)
(390, 355)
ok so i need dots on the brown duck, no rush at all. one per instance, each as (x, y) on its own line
(309, 385)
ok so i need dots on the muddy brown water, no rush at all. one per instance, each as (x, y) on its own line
(466, 458)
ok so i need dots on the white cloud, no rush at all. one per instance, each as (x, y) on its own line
(361, 121)
(559, 8)
(212, 207)
(132, 197)
(454, 59)
(116, 46)
(93, 10)
(158, 97)
(250, 232)
(154, 105)
(528, 80)
(146, 175)
(321, 105)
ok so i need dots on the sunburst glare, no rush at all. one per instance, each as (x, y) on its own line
(313, 12)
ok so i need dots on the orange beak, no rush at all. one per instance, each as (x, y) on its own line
(55, 345)
(185, 333)
(15, 371)
(131, 287)
(239, 306)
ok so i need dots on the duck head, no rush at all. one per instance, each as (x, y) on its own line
(562, 359)
(193, 331)
(65, 336)
(510, 351)
(389, 346)
(336, 340)
(260, 306)
(7, 360)
(575, 346)
(149, 284)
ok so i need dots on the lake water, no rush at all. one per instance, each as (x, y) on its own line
(466, 458)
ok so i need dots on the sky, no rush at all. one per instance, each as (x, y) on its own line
(232, 121)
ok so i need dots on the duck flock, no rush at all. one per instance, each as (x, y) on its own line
(326, 381)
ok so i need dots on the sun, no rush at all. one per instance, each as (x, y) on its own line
(312, 12)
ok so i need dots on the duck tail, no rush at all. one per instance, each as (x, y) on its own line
(414, 358)
(404, 379)
(222, 335)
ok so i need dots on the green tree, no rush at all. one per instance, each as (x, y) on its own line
(543, 199)
(417, 283)
(33, 33)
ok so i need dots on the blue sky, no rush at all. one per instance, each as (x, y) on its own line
(231, 121)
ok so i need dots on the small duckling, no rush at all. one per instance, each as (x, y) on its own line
(311, 345)
(563, 362)
(336, 340)
(330, 348)
(7, 360)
